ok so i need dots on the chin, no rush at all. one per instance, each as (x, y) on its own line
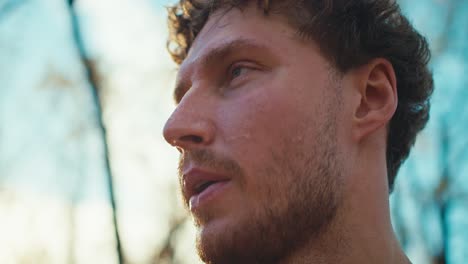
(213, 240)
(223, 241)
(236, 240)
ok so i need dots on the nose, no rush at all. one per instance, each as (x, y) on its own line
(189, 128)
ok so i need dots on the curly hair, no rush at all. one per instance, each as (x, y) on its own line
(349, 34)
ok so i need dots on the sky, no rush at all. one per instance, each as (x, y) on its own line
(54, 196)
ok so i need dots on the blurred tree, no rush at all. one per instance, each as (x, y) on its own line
(53, 160)
(54, 165)
(94, 81)
(430, 201)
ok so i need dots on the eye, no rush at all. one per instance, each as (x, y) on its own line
(241, 72)
(237, 71)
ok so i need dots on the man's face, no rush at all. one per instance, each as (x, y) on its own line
(256, 124)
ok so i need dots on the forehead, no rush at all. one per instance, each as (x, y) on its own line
(228, 26)
(247, 33)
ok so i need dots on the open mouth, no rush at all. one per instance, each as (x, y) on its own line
(203, 186)
(205, 192)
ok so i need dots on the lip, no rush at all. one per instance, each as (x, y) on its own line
(200, 185)
(210, 193)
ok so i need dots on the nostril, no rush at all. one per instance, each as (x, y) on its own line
(189, 132)
(191, 138)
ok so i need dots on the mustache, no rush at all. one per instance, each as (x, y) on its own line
(210, 160)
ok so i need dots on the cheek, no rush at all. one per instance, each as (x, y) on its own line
(257, 131)
(254, 123)
(281, 105)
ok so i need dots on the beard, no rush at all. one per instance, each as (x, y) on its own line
(300, 197)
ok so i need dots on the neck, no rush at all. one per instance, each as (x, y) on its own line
(351, 242)
(361, 232)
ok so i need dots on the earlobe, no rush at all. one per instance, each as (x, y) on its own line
(377, 88)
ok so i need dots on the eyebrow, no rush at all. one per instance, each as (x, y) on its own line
(215, 54)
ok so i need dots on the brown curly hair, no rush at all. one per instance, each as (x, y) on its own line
(349, 34)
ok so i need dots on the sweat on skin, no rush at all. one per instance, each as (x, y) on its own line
(292, 153)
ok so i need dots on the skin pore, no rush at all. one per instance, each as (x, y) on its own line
(303, 146)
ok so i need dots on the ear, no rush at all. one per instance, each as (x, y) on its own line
(378, 99)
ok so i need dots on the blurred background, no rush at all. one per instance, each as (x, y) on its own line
(86, 177)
